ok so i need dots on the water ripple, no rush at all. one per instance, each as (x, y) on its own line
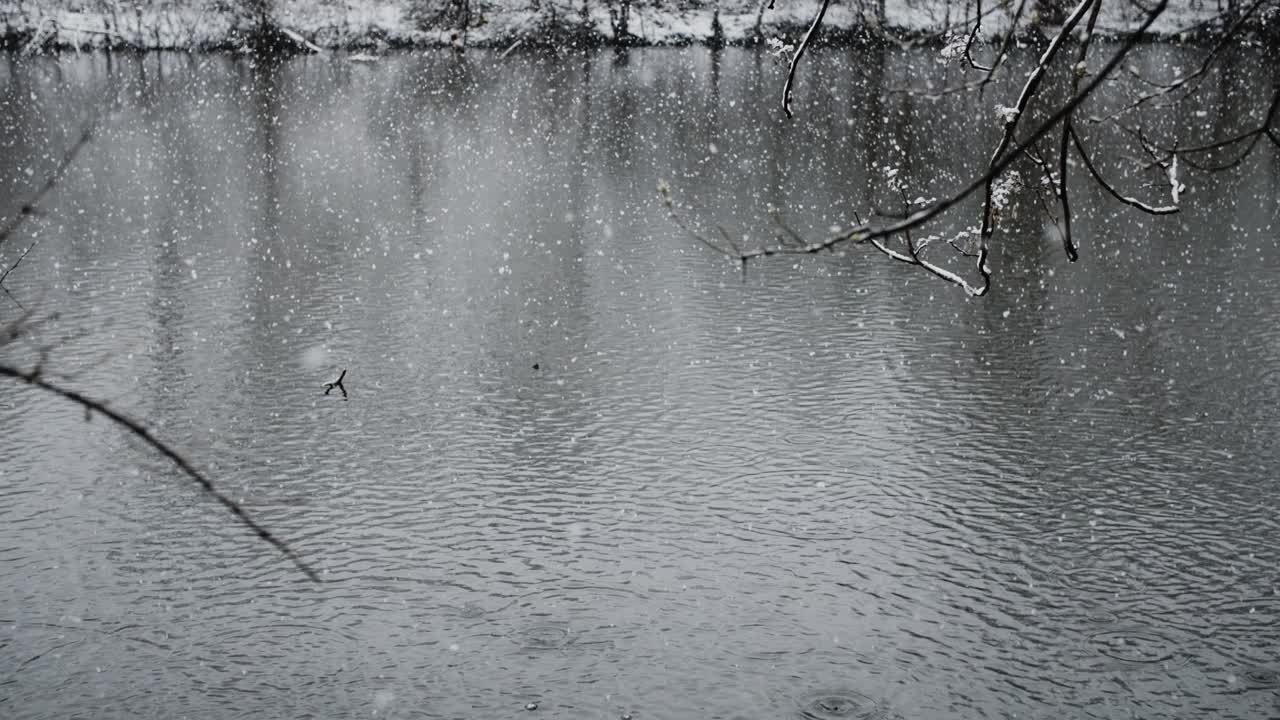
(839, 705)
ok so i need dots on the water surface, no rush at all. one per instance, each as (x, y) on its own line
(838, 488)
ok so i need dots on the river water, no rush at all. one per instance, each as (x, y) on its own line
(584, 463)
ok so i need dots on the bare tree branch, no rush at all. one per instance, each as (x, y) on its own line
(1005, 43)
(1272, 110)
(90, 405)
(1097, 177)
(19, 329)
(868, 232)
(1163, 89)
(968, 45)
(33, 203)
(17, 262)
(1253, 136)
(795, 59)
(930, 267)
(1064, 147)
(1029, 90)
(10, 269)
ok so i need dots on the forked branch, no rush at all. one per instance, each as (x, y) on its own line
(1006, 154)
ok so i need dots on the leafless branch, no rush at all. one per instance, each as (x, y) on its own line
(32, 204)
(10, 269)
(1162, 89)
(1272, 110)
(968, 45)
(1097, 177)
(1252, 137)
(34, 378)
(1015, 114)
(1003, 52)
(725, 234)
(664, 191)
(788, 232)
(870, 233)
(930, 267)
(795, 59)
(20, 329)
(1064, 147)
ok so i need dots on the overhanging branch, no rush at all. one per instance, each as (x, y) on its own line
(90, 405)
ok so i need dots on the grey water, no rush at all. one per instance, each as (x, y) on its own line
(586, 465)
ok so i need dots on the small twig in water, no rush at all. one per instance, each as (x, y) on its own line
(337, 384)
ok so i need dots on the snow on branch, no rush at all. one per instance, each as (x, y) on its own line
(1009, 151)
(1097, 177)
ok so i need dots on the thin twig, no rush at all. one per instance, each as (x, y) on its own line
(930, 267)
(1228, 36)
(1272, 110)
(1005, 43)
(1254, 136)
(1097, 177)
(17, 262)
(788, 231)
(29, 207)
(968, 44)
(90, 405)
(1029, 90)
(725, 234)
(15, 300)
(664, 191)
(865, 232)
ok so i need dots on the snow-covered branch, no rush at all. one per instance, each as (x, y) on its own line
(1011, 150)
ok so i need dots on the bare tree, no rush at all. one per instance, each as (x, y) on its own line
(1042, 129)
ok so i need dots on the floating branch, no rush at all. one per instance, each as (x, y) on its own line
(337, 384)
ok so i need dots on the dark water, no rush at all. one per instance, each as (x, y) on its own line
(839, 489)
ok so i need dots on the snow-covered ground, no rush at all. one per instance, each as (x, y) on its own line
(42, 24)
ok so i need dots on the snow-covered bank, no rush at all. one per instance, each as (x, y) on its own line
(39, 25)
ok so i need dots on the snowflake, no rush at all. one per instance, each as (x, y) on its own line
(1007, 114)
(954, 46)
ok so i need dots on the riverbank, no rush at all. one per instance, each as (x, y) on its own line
(366, 24)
